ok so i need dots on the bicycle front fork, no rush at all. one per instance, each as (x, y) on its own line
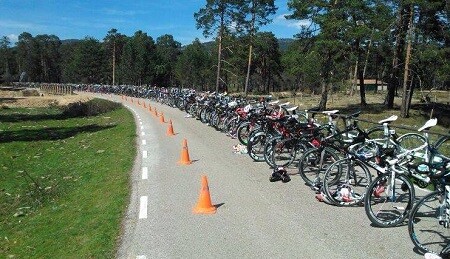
(444, 213)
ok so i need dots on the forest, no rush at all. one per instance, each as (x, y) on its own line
(404, 44)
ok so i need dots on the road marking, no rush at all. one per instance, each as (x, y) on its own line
(144, 173)
(144, 142)
(143, 207)
(143, 133)
(141, 257)
(142, 127)
(144, 154)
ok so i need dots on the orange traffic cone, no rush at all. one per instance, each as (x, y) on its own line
(156, 113)
(139, 103)
(169, 131)
(131, 100)
(161, 119)
(145, 106)
(149, 108)
(185, 160)
(204, 205)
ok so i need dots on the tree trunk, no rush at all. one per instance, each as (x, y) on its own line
(114, 64)
(395, 71)
(367, 54)
(362, 88)
(249, 64)
(219, 51)
(324, 97)
(407, 88)
(219, 63)
(360, 74)
(355, 77)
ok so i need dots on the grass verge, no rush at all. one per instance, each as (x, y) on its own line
(64, 181)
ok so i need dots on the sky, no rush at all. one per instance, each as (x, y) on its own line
(69, 19)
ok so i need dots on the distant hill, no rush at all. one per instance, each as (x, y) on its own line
(69, 41)
(285, 43)
(282, 43)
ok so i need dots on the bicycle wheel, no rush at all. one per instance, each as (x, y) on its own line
(313, 164)
(230, 126)
(426, 231)
(376, 132)
(283, 152)
(243, 132)
(255, 146)
(411, 141)
(388, 202)
(268, 150)
(345, 182)
(443, 146)
(204, 115)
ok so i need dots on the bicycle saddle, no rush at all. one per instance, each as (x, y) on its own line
(292, 109)
(390, 119)
(330, 112)
(430, 123)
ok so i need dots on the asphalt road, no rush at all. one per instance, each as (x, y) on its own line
(255, 218)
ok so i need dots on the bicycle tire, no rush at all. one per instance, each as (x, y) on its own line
(255, 146)
(284, 152)
(380, 208)
(268, 148)
(411, 141)
(443, 146)
(423, 227)
(344, 185)
(243, 132)
(308, 166)
(376, 132)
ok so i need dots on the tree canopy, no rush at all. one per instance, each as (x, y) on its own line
(405, 44)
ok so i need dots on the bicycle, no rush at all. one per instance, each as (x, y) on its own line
(346, 181)
(429, 220)
(314, 162)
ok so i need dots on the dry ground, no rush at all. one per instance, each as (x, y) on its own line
(16, 99)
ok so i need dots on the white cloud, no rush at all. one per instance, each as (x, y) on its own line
(17, 25)
(119, 12)
(13, 38)
(299, 24)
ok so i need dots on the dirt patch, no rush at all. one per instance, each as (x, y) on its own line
(17, 99)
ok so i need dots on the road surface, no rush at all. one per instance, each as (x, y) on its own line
(255, 218)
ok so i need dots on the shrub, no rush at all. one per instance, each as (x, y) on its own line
(90, 108)
(30, 92)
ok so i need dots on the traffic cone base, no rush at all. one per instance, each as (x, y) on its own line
(204, 204)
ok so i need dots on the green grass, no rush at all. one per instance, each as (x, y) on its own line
(64, 182)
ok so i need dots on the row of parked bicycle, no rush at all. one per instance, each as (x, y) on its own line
(395, 177)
